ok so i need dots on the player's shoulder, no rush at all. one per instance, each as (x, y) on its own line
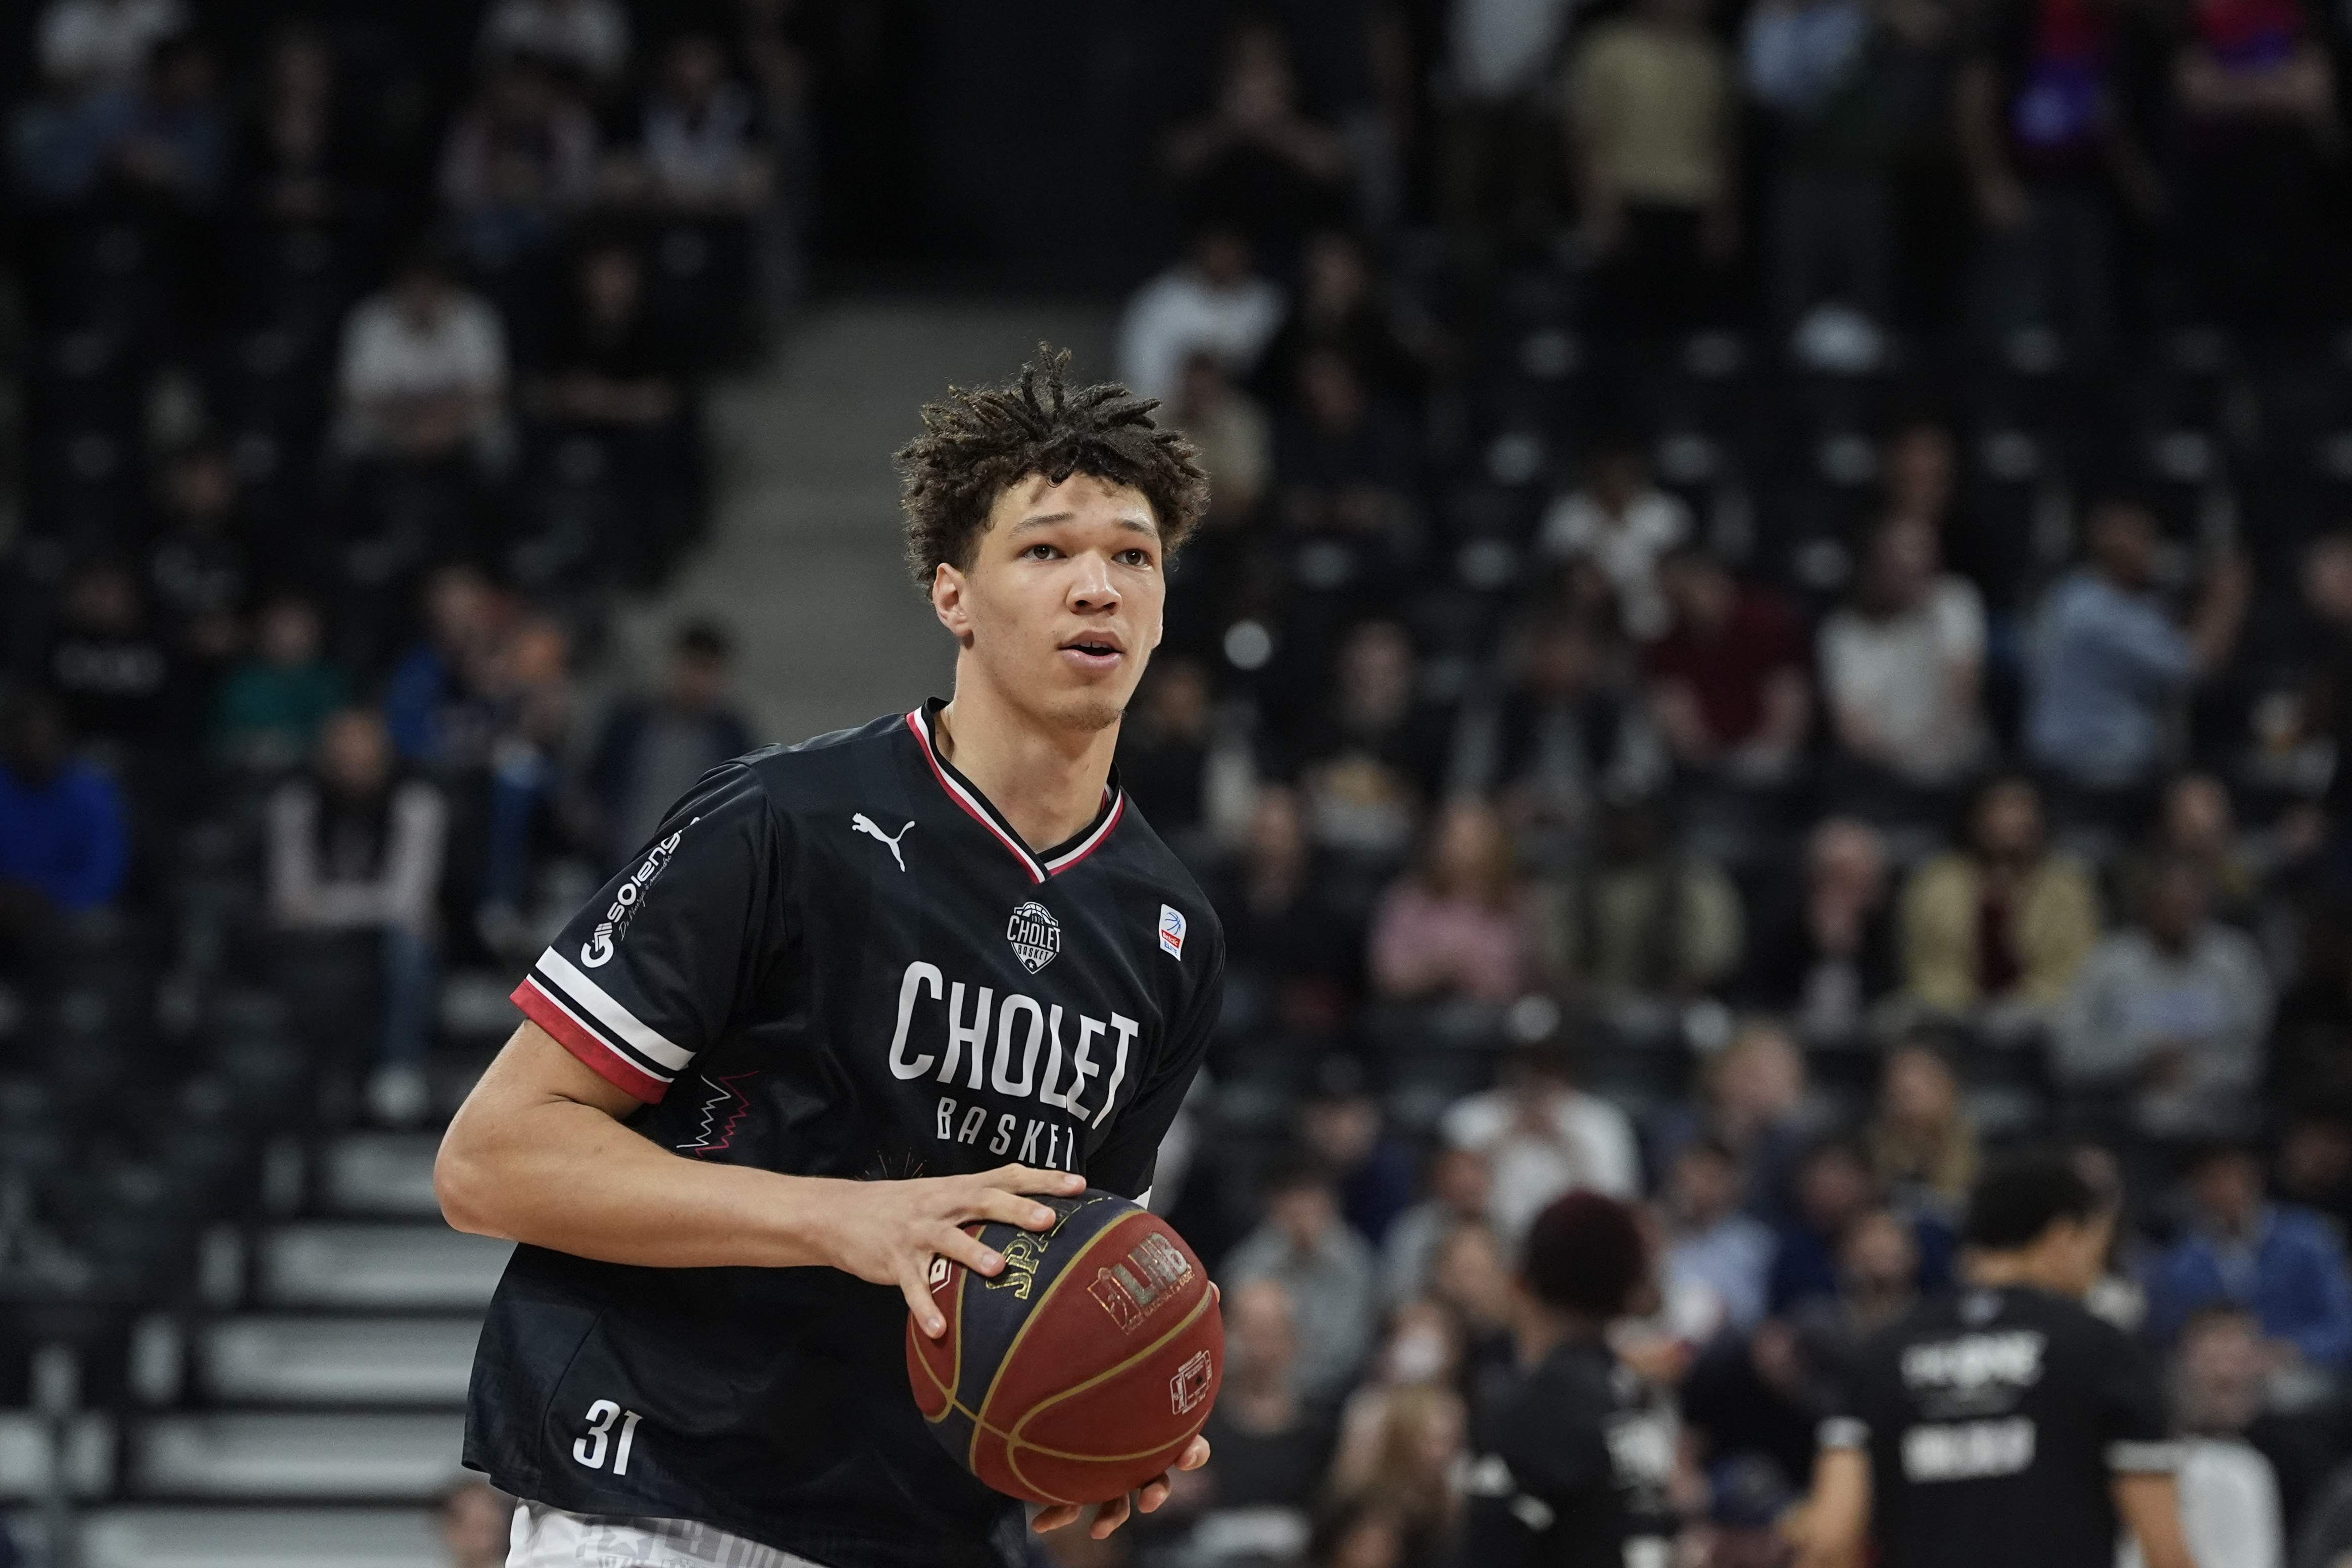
(1142, 857)
(801, 776)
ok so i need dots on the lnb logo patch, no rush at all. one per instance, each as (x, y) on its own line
(1172, 931)
(1035, 936)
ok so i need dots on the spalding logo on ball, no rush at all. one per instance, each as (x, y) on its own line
(1084, 1368)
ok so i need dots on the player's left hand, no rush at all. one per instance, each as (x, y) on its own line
(1109, 1516)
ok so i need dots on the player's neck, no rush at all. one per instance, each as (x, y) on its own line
(1048, 782)
(2026, 1266)
(1537, 1330)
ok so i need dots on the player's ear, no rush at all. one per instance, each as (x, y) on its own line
(948, 589)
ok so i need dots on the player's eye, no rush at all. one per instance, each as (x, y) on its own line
(1039, 552)
(1137, 558)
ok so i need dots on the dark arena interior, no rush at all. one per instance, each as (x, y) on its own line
(1774, 620)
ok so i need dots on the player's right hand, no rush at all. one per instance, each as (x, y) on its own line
(887, 1232)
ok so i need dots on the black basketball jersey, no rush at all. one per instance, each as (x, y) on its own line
(1574, 1458)
(836, 959)
(1995, 1421)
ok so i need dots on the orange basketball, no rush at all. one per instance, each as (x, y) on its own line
(1081, 1370)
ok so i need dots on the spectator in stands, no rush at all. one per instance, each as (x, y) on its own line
(423, 375)
(1210, 302)
(520, 160)
(1255, 160)
(1230, 433)
(1622, 524)
(700, 152)
(174, 150)
(62, 143)
(267, 714)
(428, 701)
(2279, 1263)
(1269, 1437)
(103, 42)
(1646, 919)
(2196, 826)
(2230, 1495)
(2049, 149)
(1403, 1448)
(356, 849)
(1458, 926)
(1289, 940)
(1833, 1195)
(1304, 1246)
(1824, 960)
(586, 39)
(653, 747)
(1345, 463)
(1752, 1100)
(2003, 919)
(302, 157)
(1812, 65)
(64, 842)
(198, 570)
(2168, 1016)
(525, 690)
(1461, 1191)
(2108, 664)
(1369, 754)
(2256, 93)
(1340, 1125)
(1339, 308)
(1652, 120)
(1922, 1140)
(1711, 1245)
(1727, 681)
(115, 677)
(1470, 1277)
(1918, 472)
(1164, 750)
(475, 1519)
(1499, 145)
(1902, 674)
(1541, 1135)
(1561, 735)
(617, 376)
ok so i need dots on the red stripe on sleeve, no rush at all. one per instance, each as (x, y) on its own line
(599, 1057)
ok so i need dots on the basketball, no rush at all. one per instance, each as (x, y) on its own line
(1081, 1371)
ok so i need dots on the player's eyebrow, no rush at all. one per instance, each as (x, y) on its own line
(1047, 518)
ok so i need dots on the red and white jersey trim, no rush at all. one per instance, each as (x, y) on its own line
(980, 811)
(593, 1026)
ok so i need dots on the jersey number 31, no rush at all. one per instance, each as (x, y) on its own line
(589, 1450)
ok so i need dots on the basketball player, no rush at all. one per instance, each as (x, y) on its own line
(855, 994)
(1575, 1452)
(2001, 1422)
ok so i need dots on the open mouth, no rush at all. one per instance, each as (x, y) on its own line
(1092, 649)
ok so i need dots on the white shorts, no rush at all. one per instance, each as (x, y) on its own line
(548, 1538)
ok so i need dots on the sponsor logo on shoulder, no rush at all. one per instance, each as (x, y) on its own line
(1035, 936)
(627, 898)
(1172, 931)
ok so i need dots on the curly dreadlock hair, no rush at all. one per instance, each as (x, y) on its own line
(975, 442)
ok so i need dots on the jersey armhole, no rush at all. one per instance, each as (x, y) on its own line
(592, 1053)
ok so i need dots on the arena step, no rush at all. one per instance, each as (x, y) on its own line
(338, 1360)
(379, 1266)
(379, 1173)
(28, 1455)
(260, 1538)
(371, 1459)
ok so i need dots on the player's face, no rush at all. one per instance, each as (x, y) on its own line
(1061, 606)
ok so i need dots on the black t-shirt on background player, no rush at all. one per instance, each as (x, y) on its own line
(836, 959)
(1574, 1458)
(1996, 1422)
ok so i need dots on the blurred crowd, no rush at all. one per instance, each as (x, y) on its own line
(1794, 631)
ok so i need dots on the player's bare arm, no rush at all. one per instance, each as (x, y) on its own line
(1828, 1531)
(2150, 1506)
(537, 1154)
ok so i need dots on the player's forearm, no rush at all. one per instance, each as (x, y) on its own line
(571, 1179)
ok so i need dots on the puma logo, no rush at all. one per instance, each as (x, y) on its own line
(861, 823)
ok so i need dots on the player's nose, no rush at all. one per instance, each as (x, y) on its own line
(1091, 587)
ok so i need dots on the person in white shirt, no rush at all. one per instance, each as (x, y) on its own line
(1903, 664)
(1622, 524)
(423, 373)
(1210, 302)
(2229, 1493)
(104, 43)
(1542, 1136)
